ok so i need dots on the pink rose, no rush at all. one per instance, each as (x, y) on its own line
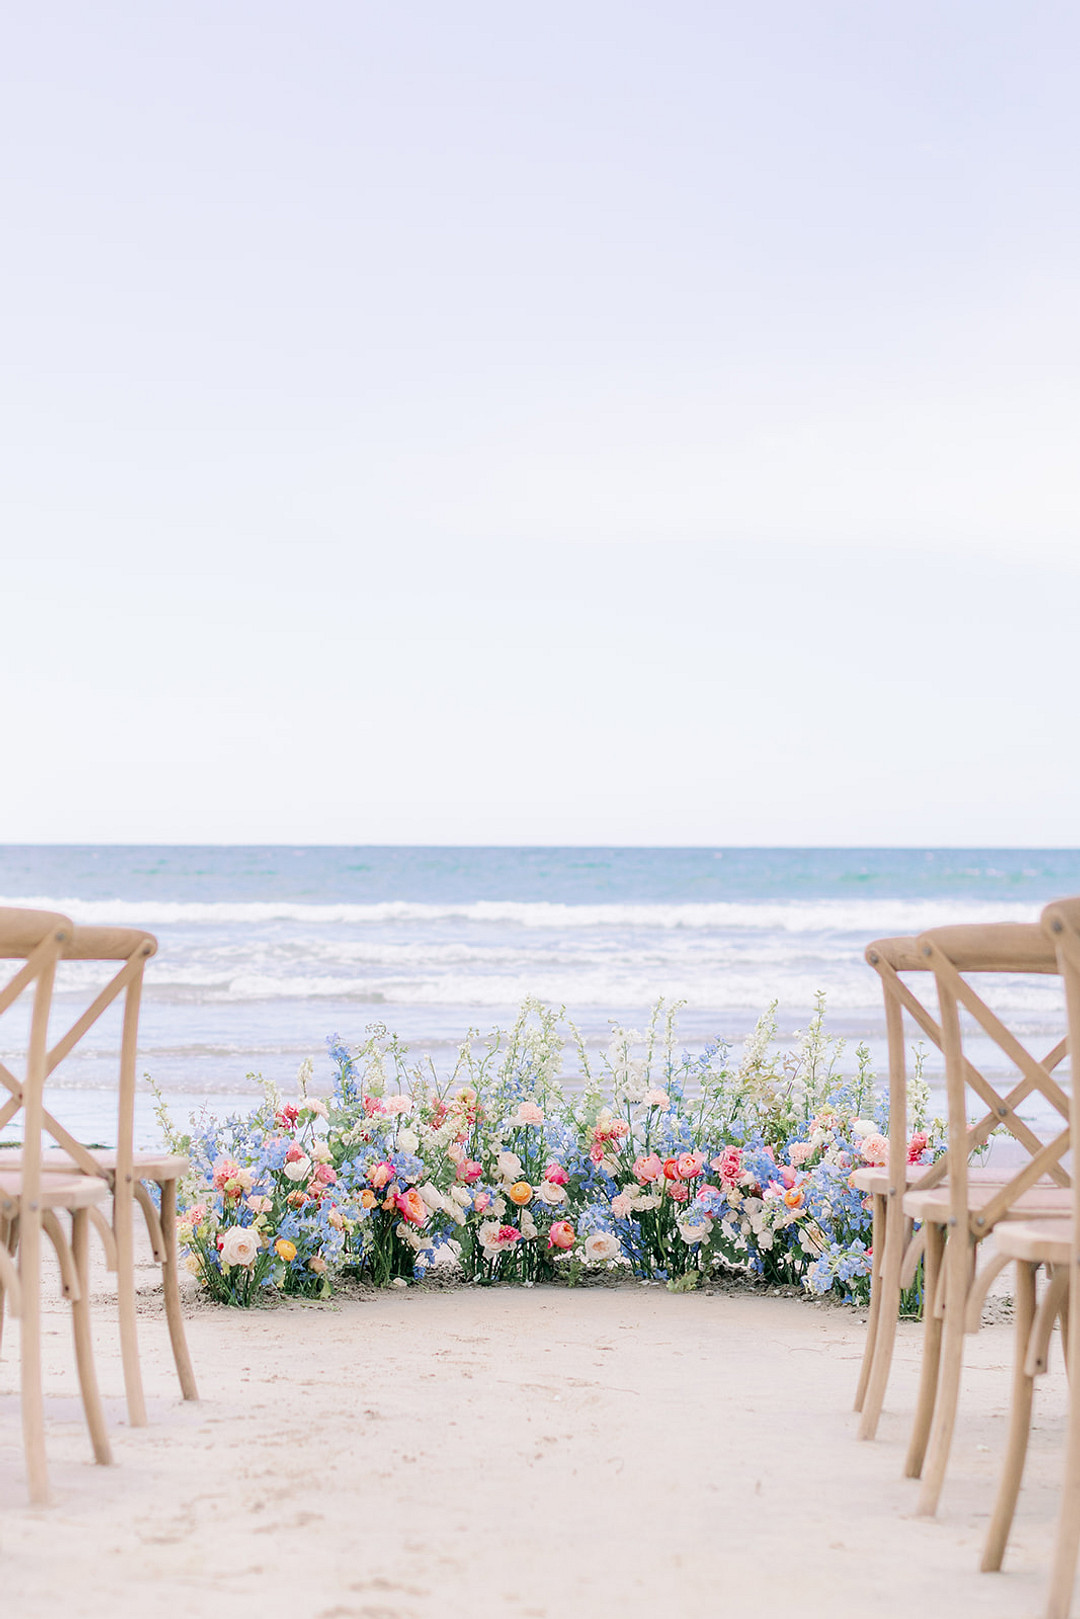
(875, 1150)
(482, 1201)
(468, 1170)
(648, 1169)
(787, 1175)
(561, 1235)
(556, 1174)
(690, 1165)
(528, 1113)
(325, 1175)
(917, 1146)
(729, 1167)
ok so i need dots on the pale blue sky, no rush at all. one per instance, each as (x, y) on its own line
(603, 423)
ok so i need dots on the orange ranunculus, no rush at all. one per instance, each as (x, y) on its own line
(520, 1193)
(285, 1249)
(793, 1197)
(367, 1199)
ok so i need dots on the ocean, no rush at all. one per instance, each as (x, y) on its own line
(264, 951)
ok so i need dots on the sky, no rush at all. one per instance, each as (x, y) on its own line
(607, 423)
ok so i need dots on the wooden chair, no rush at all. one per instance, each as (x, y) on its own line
(1053, 1245)
(124, 1172)
(31, 1203)
(964, 1208)
(897, 1245)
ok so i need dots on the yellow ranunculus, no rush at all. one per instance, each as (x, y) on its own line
(285, 1249)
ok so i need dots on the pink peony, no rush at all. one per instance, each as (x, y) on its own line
(648, 1168)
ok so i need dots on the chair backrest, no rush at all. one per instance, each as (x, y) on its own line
(36, 939)
(132, 948)
(955, 954)
(1061, 924)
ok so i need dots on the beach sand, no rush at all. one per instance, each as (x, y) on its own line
(531, 1453)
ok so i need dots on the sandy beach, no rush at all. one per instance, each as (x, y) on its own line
(531, 1452)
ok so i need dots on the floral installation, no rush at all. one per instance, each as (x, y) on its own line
(654, 1162)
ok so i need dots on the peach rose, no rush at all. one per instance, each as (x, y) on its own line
(690, 1165)
(601, 1246)
(561, 1235)
(648, 1169)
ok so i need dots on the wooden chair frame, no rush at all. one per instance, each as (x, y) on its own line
(133, 948)
(30, 1201)
(953, 953)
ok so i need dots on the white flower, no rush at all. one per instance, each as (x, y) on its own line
(407, 1139)
(316, 1105)
(526, 1224)
(321, 1153)
(600, 1247)
(655, 1098)
(650, 1201)
(549, 1193)
(864, 1127)
(299, 1169)
(509, 1165)
(460, 1194)
(691, 1230)
(239, 1246)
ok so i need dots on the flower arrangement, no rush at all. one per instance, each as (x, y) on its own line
(661, 1164)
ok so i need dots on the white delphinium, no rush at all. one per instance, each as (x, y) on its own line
(629, 1074)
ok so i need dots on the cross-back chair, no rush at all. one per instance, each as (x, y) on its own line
(32, 1202)
(897, 1244)
(124, 1172)
(963, 1209)
(1053, 1245)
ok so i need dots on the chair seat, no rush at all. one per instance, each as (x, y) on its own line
(875, 1179)
(57, 1191)
(1046, 1242)
(148, 1166)
(1044, 1198)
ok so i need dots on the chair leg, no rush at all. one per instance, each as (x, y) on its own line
(8, 1231)
(33, 1412)
(123, 1212)
(958, 1273)
(877, 1242)
(84, 1350)
(170, 1277)
(931, 1355)
(1019, 1423)
(888, 1314)
(1063, 1571)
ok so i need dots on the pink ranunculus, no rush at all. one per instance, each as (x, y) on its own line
(381, 1174)
(690, 1165)
(729, 1167)
(225, 1170)
(678, 1191)
(561, 1235)
(468, 1170)
(556, 1174)
(874, 1150)
(648, 1168)
(917, 1146)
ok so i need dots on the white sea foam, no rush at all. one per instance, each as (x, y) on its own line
(871, 917)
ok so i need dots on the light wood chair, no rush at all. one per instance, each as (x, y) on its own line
(897, 1244)
(31, 1202)
(125, 1173)
(964, 1209)
(1053, 1245)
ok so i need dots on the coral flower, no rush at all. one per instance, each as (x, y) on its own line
(561, 1235)
(520, 1193)
(411, 1206)
(285, 1249)
(671, 1169)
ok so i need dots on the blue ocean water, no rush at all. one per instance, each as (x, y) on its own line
(266, 950)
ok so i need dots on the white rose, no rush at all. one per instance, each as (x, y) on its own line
(644, 1203)
(551, 1194)
(600, 1247)
(432, 1197)
(299, 1169)
(692, 1231)
(407, 1139)
(864, 1127)
(239, 1246)
(321, 1153)
(526, 1224)
(509, 1165)
(460, 1195)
